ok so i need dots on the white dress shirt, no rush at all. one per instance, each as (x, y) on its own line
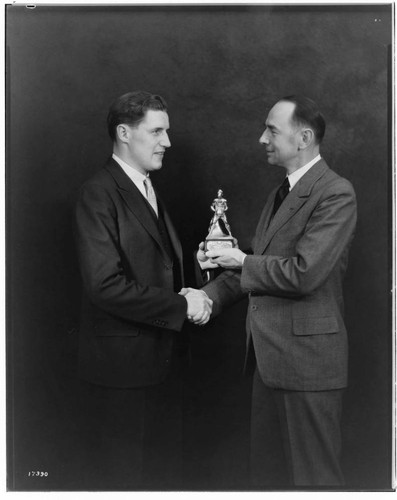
(136, 177)
(295, 176)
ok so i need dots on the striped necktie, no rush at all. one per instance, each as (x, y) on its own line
(150, 194)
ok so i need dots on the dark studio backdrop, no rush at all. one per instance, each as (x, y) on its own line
(220, 69)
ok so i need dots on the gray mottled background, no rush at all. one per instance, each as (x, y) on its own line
(220, 69)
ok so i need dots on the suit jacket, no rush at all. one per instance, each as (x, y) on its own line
(294, 282)
(130, 311)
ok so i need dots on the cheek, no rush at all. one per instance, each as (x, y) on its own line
(279, 145)
(293, 143)
(285, 147)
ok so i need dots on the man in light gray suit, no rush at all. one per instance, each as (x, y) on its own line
(295, 315)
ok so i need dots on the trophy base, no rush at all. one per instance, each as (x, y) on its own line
(216, 244)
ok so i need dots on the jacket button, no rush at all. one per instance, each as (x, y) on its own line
(254, 308)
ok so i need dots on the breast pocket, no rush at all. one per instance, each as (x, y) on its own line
(315, 326)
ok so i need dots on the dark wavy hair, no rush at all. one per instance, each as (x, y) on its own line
(131, 108)
(306, 113)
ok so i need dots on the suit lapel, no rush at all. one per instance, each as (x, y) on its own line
(264, 223)
(292, 203)
(136, 203)
(171, 230)
(173, 236)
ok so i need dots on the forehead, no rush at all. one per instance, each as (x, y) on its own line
(280, 114)
(155, 119)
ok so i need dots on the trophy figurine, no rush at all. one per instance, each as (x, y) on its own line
(219, 234)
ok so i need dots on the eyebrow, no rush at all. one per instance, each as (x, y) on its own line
(160, 128)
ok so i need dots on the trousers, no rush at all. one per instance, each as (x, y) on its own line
(132, 437)
(295, 437)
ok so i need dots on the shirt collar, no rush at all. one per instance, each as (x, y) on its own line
(132, 173)
(295, 176)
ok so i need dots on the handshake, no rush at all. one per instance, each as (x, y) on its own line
(199, 305)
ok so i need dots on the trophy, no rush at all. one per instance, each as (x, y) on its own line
(219, 234)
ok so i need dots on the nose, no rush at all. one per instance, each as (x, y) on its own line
(263, 139)
(165, 140)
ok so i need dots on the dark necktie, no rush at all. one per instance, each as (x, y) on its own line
(281, 194)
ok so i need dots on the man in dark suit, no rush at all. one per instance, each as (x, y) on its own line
(132, 342)
(295, 315)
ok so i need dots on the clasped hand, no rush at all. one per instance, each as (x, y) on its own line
(199, 305)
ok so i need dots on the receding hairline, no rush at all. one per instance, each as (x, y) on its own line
(291, 119)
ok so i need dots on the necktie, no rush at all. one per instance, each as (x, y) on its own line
(281, 194)
(151, 196)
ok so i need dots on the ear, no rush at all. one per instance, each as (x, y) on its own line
(122, 132)
(307, 138)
